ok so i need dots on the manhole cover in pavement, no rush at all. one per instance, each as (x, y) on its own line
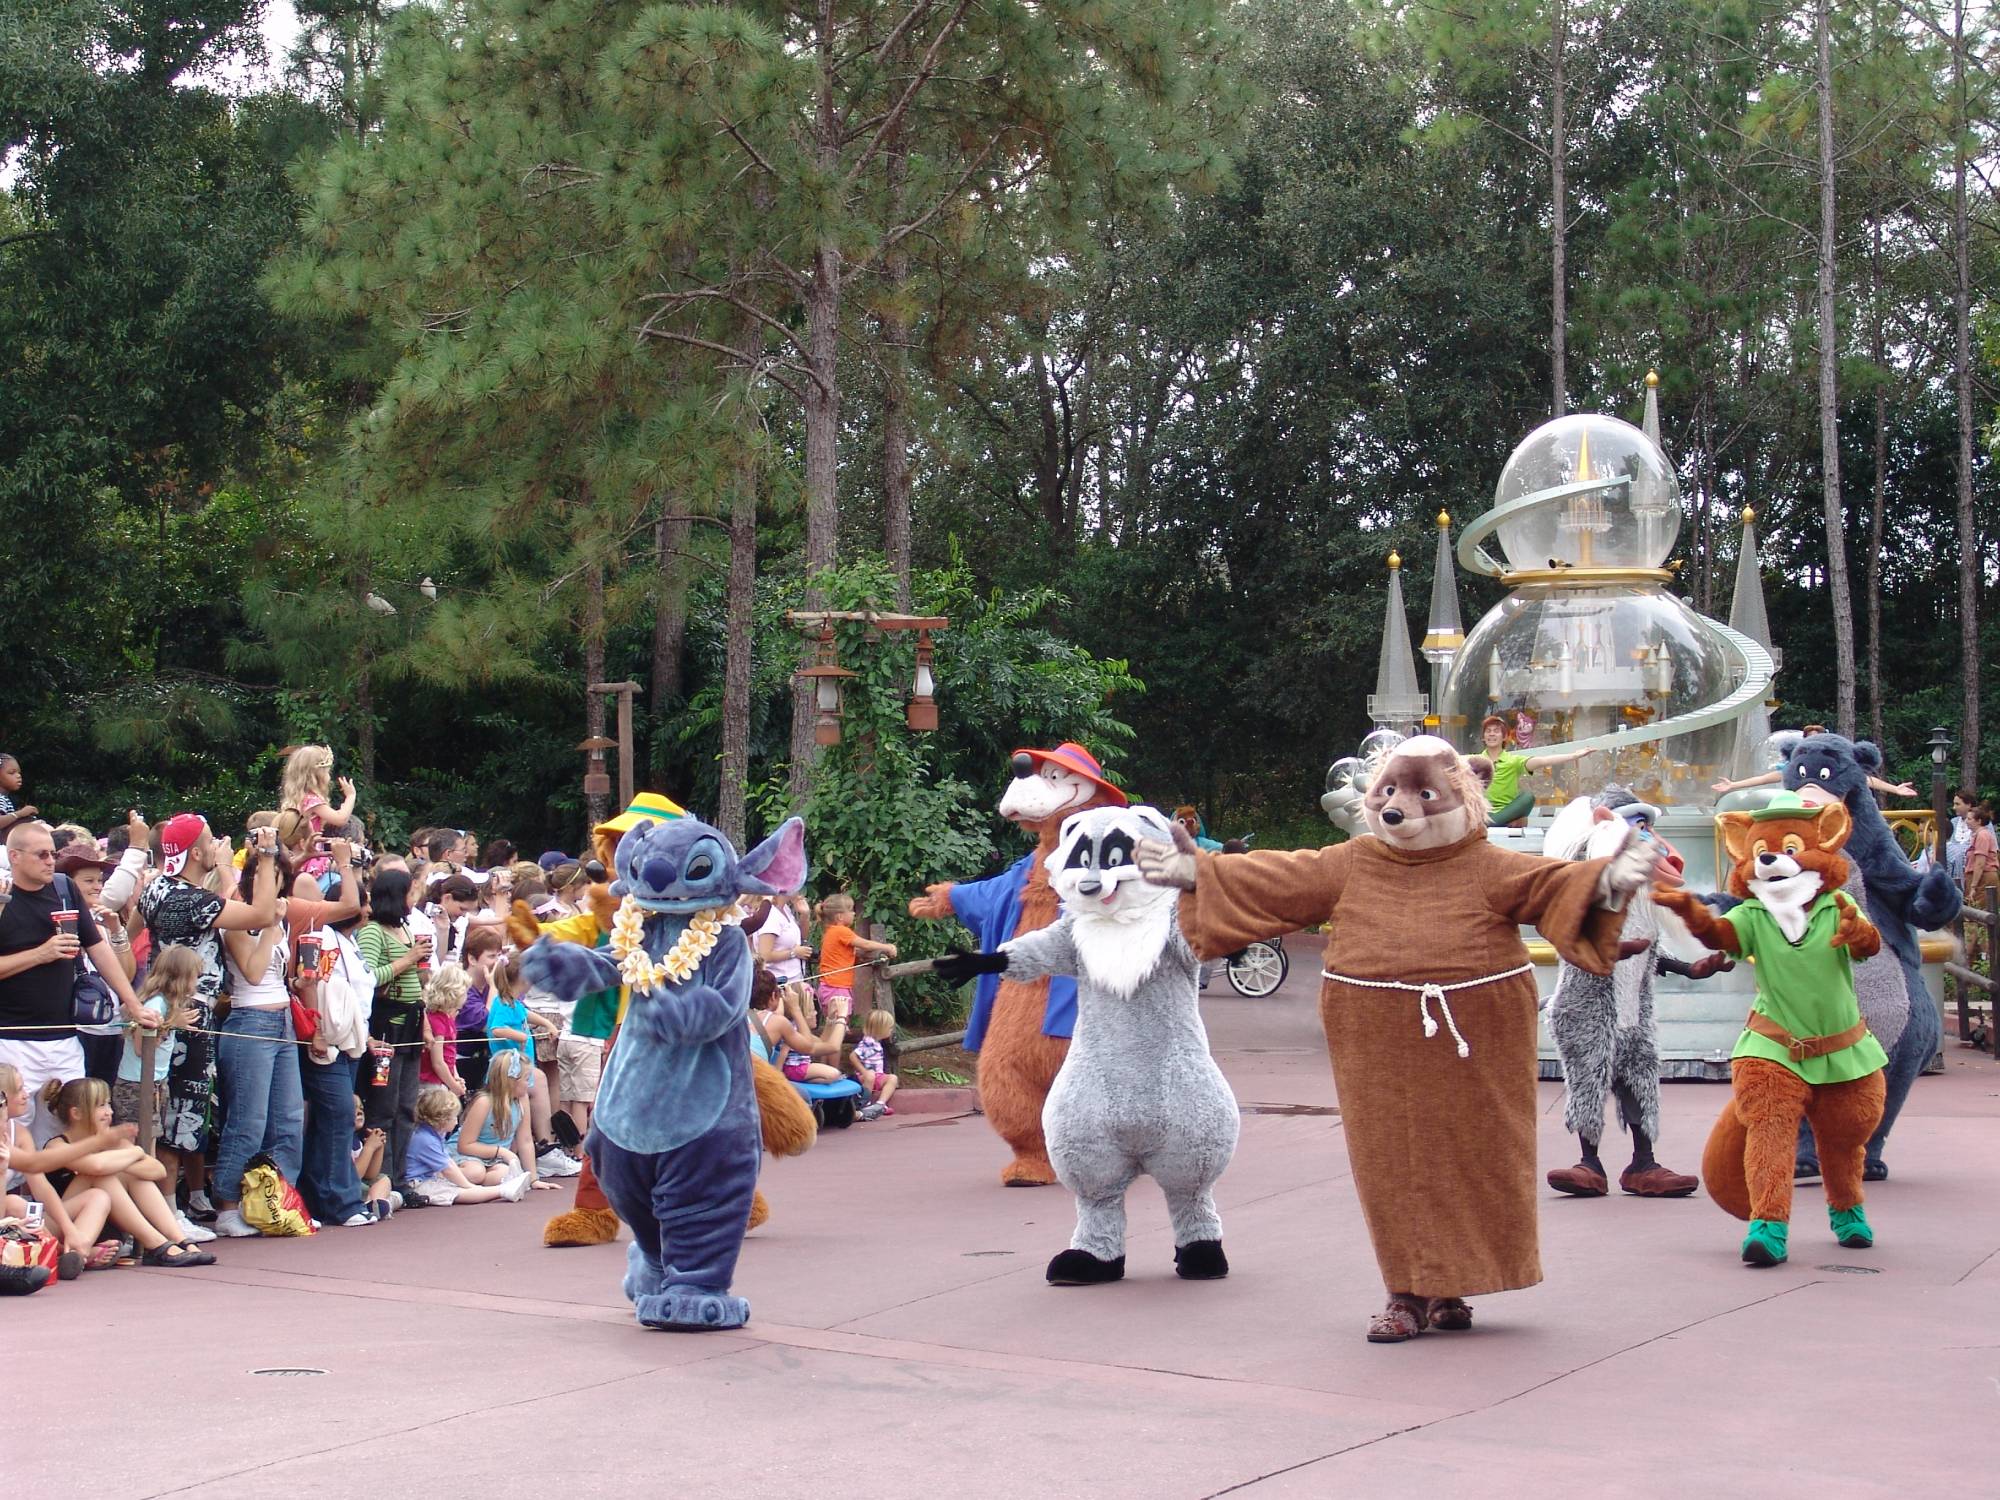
(1854, 1270)
(289, 1370)
(974, 1254)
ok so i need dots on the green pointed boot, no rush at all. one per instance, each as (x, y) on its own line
(1764, 1245)
(1850, 1227)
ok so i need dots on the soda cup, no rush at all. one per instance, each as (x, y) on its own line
(65, 922)
(309, 953)
(381, 1070)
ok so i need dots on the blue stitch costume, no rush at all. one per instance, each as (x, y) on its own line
(675, 1138)
(1900, 903)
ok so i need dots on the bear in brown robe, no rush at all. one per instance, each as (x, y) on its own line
(1431, 1020)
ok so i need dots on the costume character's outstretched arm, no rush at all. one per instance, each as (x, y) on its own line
(1234, 899)
(568, 970)
(1035, 955)
(1706, 927)
(1859, 936)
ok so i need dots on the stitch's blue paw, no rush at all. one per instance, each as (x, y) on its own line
(691, 1310)
(569, 971)
(643, 1277)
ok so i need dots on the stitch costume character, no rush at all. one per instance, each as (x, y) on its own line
(786, 1118)
(1426, 916)
(675, 1136)
(1139, 1091)
(1021, 1028)
(1900, 902)
(1805, 1053)
(1603, 1023)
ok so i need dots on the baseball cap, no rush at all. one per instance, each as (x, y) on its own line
(551, 858)
(177, 836)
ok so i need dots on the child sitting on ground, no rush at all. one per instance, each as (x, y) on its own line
(494, 1133)
(110, 1161)
(443, 997)
(839, 945)
(371, 1147)
(436, 1172)
(78, 1222)
(868, 1064)
(778, 1011)
(168, 992)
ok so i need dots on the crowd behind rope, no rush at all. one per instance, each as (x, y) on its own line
(354, 1022)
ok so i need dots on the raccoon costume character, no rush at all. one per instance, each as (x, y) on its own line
(1139, 1091)
(1603, 1023)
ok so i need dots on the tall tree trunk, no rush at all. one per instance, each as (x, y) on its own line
(1968, 538)
(822, 398)
(895, 334)
(1878, 491)
(596, 803)
(1559, 210)
(1829, 394)
(670, 542)
(740, 614)
(364, 729)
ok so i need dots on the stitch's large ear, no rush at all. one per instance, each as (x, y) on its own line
(1835, 823)
(776, 867)
(633, 835)
(1869, 754)
(1736, 833)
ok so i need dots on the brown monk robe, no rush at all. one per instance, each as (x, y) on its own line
(1443, 1147)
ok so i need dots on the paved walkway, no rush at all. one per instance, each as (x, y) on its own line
(905, 1344)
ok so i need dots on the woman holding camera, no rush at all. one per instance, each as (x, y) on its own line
(398, 953)
(258, 1054)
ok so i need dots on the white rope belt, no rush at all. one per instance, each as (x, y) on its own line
(1426, 993)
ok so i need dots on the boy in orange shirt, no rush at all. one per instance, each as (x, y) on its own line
(839, 945)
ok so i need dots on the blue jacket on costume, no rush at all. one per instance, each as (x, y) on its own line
(992, 909)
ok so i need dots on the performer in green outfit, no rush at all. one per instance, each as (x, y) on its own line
(1504, 797)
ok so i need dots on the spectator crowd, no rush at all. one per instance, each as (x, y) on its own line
(191, 1027)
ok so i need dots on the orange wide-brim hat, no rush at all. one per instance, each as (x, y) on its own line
(1073, 758)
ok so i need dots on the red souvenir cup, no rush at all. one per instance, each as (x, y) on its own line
(65, 922)
(309, 953)
(381, 1070)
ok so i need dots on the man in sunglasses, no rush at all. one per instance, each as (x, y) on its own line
(44, 926)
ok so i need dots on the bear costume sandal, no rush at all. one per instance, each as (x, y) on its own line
(1656, 1181)
(1401, 1320)
(1579, 1181)
(1448, 1314)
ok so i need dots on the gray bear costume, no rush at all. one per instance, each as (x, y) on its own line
(1139, 1091)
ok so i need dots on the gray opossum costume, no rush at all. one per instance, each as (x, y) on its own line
(1603, 1023)
(1139, 1090)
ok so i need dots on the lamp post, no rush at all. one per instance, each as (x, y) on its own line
(624, 690)
(828, 677)
(1940, 800)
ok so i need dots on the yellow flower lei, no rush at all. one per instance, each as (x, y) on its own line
(628, 945)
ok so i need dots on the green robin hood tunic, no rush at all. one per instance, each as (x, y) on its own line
(1806, 987)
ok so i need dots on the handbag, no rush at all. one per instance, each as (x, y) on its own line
(91, 1000)
(305, 1023)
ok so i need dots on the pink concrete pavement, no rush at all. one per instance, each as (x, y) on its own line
(905, 1344)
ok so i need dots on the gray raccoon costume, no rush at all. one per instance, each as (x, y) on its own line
(1139, 1091)
(1603, 1024)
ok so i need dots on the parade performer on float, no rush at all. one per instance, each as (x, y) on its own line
(1021, 1028)
(1139, 1091)
(786, 1118)
(1805, 1052)
(1429, 1004)
(1603, 1023)
(676, 1139)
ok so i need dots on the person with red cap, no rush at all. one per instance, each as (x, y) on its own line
(180, 909)
(1021, 1029)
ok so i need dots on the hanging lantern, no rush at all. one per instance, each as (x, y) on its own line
(827, 677)
(922, 714)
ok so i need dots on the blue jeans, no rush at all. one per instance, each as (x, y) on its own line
(331, 1186)
(260, 1085)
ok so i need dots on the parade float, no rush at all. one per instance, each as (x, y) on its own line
(1590, 649)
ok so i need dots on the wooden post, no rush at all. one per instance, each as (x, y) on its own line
(149, 1128)
(624, 690)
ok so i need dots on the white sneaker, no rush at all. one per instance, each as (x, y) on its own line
(232, 1223)
(198, 1200)
(517, 1187)
(555, 1162)
(395, 1200)
(199, 1234)
(358, 1221)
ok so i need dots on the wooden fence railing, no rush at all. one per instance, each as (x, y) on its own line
(1965, 981)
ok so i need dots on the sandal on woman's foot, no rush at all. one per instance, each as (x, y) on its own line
(1397, 1322)
(101, 1256)
(171, 1256)
(69, 1265)
(1448, 1314)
